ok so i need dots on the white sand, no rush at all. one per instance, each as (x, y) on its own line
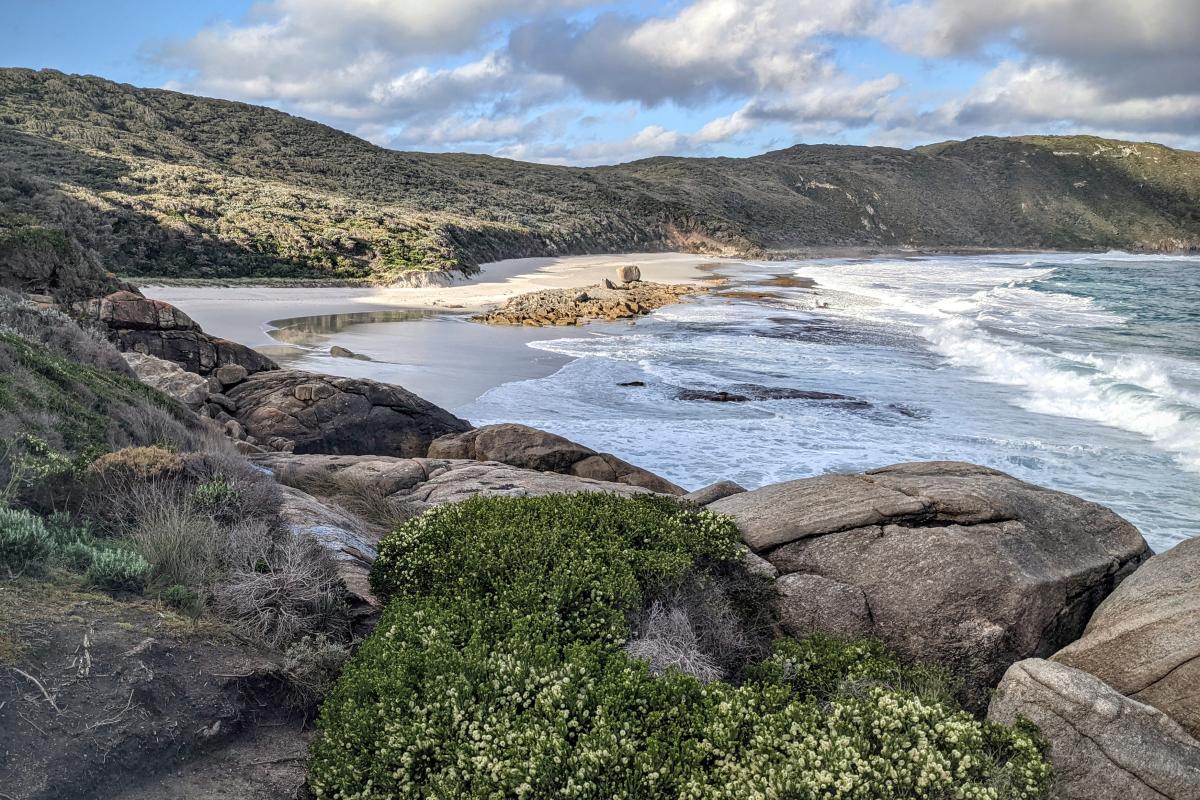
(240, 313)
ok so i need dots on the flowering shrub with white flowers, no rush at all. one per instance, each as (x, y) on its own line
(497, 671)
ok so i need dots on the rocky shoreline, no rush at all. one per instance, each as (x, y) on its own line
(626, 298)
(1042, 606)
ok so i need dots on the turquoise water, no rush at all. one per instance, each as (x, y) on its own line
(1079, 372)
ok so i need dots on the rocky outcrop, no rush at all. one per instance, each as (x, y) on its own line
(1144, 640)
(421, 483)
(152, 327)
(170, 379)
(463, 480)
(956, 564)
(203, 395)
(310, 413)
(576, 306)
(530, 448)
(427, 481)
(1103, 745)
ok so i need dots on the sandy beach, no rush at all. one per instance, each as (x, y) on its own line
(418, 338)
(240, 313)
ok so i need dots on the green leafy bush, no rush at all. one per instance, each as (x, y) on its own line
(118, 571)
(25, 544)
(497, 670)
(77, 556)
(213, 494)
(181, 598)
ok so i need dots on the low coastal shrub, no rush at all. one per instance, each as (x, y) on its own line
(25, 544)
(135, 464)
(312, 665)
(498, 670)
(181, 598)
(117, 570)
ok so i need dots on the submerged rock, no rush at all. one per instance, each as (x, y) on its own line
(337, 351)
(1103, 745)
(328, 414)
(958, 564)
(530, 448)
(748, 392)
(711, 395)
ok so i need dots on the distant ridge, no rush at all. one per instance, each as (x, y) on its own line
(158, 183)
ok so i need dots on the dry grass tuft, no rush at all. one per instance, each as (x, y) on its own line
(667, 639)
(289, 592)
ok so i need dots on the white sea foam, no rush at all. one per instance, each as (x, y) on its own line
(981, 329)
(1124, 393)
(965, 358)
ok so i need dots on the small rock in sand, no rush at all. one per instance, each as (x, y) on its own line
(629, 273)
(341, 352)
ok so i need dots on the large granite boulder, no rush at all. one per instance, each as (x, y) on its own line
(530, 448)
(1103, 745)
(955, 563)
(311, 413)
(1144, 640)
(131, 311)
(152, 327)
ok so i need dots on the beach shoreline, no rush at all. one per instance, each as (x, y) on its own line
(419, 338)
(242, 312)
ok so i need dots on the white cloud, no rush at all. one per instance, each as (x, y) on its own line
(708, 49)
(509, 76)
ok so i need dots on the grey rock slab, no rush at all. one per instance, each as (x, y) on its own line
(1144, 639)
(783, 512)
(1103, 745)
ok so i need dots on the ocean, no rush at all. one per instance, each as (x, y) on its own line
(1077, 372)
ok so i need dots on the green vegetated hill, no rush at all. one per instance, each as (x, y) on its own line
(166, 184)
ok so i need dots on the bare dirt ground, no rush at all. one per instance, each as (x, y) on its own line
(111, 698)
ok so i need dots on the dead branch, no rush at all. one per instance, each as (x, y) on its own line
(39, 685)
(113, 719)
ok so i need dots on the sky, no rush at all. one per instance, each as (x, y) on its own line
(587, 82)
